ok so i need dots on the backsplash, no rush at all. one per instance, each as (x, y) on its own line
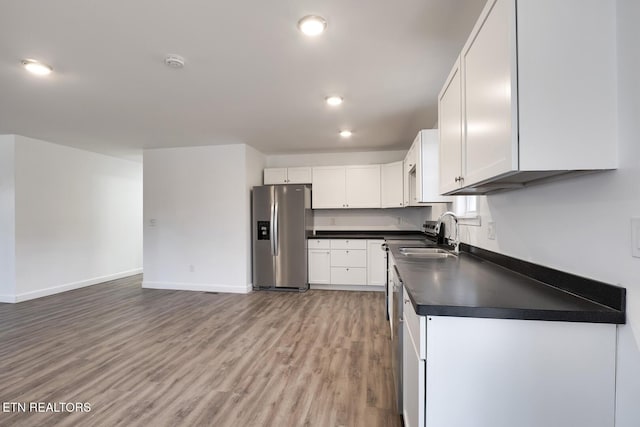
(371, 219)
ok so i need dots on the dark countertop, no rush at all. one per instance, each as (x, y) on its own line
(470, 286)
(371, 235)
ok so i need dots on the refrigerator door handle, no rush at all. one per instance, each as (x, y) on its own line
(271, 229)
(275, 229)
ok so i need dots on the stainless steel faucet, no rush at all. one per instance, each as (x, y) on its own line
(455, 242)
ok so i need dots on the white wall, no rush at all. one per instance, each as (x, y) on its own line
(78, 218)
(255, 164)
(199, 199)
(371, 219)
(7, 219)
(582, 225)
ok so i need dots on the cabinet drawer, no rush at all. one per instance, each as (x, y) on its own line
(349, 244)
(417, 326)
(348, 276)
(348, 258)
(318, 243)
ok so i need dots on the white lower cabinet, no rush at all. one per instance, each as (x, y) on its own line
(319, 266)
(350, 262)
(413, 366)
(348, 276)
(413, 383)
(465, 371)
(376, 263)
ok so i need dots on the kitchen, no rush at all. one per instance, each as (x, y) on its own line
(579, 225)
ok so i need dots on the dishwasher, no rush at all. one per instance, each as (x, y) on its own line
(396, 333)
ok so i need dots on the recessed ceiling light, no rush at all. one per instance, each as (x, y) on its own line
(334, 100)
(346, 133)
(312, 25)
(36, 67)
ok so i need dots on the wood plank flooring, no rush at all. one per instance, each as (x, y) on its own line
(144, 357)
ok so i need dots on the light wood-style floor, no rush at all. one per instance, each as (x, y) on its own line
(145, 357)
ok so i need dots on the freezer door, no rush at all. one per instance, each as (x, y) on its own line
(264, 261)
(290, 236)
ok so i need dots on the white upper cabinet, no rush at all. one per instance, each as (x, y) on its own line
(428, 168)
(346, 187)
(450, 128)
(423, 177)
(392, 185)
(363, 186)
(521, 103)
(298, 175)
(328, 187)
(275, 176)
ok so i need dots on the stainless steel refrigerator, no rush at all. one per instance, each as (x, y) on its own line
(281, 220)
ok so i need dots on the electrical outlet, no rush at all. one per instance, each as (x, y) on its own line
(153, 222)
(491, 230)
(635, 237)
(192, 268)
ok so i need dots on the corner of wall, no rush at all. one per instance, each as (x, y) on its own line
(7, 219)
(255, 162)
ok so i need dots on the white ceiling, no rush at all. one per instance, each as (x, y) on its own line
(250, 76)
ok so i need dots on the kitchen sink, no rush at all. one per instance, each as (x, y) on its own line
(426, 253)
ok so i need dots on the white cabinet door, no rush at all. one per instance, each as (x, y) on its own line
(376, 263)
(348, 276)
(450, 128)
(489, 65)
(300, 175)
(328, 190)
(428, 172)
(275, 176)
(348, 258)
(319, 266)
(405, 182)
(392, 185)
(413, 383)
(363, 186)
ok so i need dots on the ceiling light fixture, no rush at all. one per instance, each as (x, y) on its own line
(312, 25)
(334, 100)
(346, 133)
(36, 67)
(174, 61)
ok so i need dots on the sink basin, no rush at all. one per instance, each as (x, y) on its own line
(426, 253)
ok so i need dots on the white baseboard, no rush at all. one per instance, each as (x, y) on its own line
(348, 288)
(74, 285)
(7, 298)
(198, 287)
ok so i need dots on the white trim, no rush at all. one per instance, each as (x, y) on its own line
(8, 298)
(348, 288)
(198, 287)
(74, 285)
